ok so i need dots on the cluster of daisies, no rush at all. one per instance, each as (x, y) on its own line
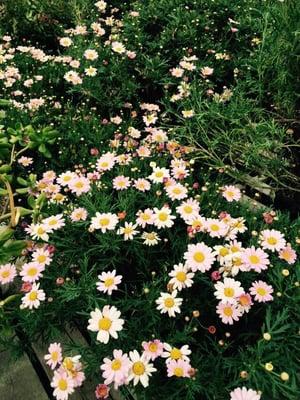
(78, 68)
(39, 256)
(25, 88)
(68, 371)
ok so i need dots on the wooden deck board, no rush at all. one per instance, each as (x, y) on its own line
(18, 380)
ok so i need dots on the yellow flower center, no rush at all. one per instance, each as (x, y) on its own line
(229, 292)
(234, 249)
(169, 302)
(5, 274)
(40, 230)
(153, 347)
(104, 324)
(188, 209)
(197, 224)
(108, 282)
(116, 365)
(254, 259)
(237, 262)
(54, 356)
(272, 240)
(62, 384)
(261, 291)
(199, 257)
(163, 216)
(145, 217)
(159, 174)
(52, 222)
(138, 368)
(215, 227)
(175, 354)
(41, 258)
(33, 296)
(67, 178)
(151, 236)
(228, 311)
(104, 164)
(128, 230)
(181, 276)
(104, 221)
(32, 271)
(177, 190)
(229, 193)
(178, 372)
(224, 252)
(68, 364)
(79, 185)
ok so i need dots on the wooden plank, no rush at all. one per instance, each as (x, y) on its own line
(18, 380)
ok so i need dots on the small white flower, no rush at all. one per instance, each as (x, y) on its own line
(169, 303)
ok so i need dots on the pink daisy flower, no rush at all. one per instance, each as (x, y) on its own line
(288, 254)
(117, 369)
(41, 256)
(245, 302)
(231, 193)
(63, 385)
(25, 161)
(255, 259)
(106, 162)
(176, 191)
(244, 394)
(229, 312)
(178, 368)
(215, 227)
(145, 217)
(79, 185)
(188, 209)
(261, 291)
(7, 273)
(272, 240)
(142, 184)
(33, 298)
(121, 182)
(143, 151)
(32, 271)
(199, 257)
(54, 356)
(153, 349)
(78, 214)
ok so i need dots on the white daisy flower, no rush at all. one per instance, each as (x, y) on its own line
(104, 221)
(128, 231)
(228, 291)
(150, 238)
(33, 298)
(181, 277)
(140, 369)
(106, 323)
(163, 218)
(174, 353)
(109, 281)
(169, 303)
(159, 174)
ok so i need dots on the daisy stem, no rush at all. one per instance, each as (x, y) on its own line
(9, 299)
(11, 202)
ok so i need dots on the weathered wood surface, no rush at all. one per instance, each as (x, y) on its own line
(18, 380)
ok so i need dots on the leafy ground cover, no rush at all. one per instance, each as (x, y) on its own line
(130, 134)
